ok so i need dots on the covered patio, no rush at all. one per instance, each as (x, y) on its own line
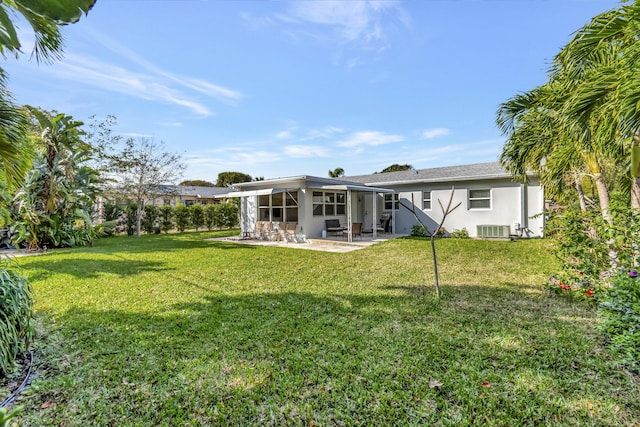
(305, 204)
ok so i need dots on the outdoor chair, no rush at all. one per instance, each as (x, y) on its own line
(356, 230)
(333, 226)
(290, 231)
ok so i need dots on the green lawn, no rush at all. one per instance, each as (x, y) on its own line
(178, 330)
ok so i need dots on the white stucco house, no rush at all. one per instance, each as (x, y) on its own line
(491, 203)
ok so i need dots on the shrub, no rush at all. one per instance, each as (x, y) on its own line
(130, 218)
(183, 217)
(460, 234)
(197, 216)
(15, 317)
(620, 314)
(166, 218)
(420, 230)
(209, 216)
(150, 217)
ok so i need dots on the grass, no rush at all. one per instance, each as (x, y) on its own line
(179, 330)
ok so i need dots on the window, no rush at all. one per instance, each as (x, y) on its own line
(426, 200)
(328, 203)
(391, 202)
(480, 199)
(278, 207)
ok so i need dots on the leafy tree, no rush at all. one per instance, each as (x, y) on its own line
(166, 218)
(183, 217)
(197, 216)
(198, 183)
(142, 170)
(336, 173)
(396, 168)
(226, 179)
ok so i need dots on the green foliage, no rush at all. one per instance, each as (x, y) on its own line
(210, 212)
(7, 414)
(620, 317)
(150, 217)
(591, 253)
(419, 230)
(15, 317)
(55, 203)
(182, 217)
(226, 179)
(228, 212)
(198, 183)
(166, 218)
(180, 329)
(396, 168)
(131, 217)
(197, 215)
(460, 234)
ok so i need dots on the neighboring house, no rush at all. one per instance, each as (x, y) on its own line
(188, 195)
(491, 203)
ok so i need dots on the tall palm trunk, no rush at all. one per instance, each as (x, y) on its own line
(581, 196)
(635, 193)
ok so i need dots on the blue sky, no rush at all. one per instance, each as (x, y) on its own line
(285, 88)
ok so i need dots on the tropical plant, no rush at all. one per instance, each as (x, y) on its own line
(44, 18)
(15, 316)
(54, 205)
(336, 173)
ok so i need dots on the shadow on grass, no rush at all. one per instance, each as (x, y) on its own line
(88, 268)
(161, 243)
(292, 358)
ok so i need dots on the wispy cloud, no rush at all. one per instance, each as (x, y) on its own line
(369, 138)
(354, 24)
(305, 151)
(114, 78)
(132, 75)
(434, 133)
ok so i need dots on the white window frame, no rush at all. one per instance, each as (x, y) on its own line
(391, 199)
(426, 199)
(480, 198)
(335, 199)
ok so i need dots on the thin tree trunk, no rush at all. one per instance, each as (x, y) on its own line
(635, 193)
(581, 196)
(603, 197)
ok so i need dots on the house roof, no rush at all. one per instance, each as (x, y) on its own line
(196, 191)
(471, 172)
(270, 186)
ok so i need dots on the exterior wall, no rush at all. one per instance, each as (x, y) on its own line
(506, 206)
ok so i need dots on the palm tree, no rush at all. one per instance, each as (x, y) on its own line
(336, 173)
(605, 55)
(44, 17)
(543, 138)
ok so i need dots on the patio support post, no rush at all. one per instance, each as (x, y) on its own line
(349, 218)
(374, 213)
